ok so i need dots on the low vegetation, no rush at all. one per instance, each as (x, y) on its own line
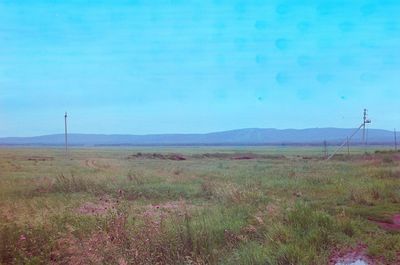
(197, 206)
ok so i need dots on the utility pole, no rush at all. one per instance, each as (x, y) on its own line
(348, 147)
(66, 133)
(325, 150)
(365, 122)
(365, 116)
(395, 139)
(364, 119)
(362, 126)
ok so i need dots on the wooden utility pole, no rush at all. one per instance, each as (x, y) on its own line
(66, 133)
(348, 147)
(395, 139)
(364, 121)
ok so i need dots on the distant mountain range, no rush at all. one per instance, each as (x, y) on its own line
(311, 136)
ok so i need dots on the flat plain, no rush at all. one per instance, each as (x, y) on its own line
(204, 205)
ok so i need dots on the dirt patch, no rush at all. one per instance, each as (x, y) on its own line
(97, 164)
(236, 156)
(272, 210)
(353, 256)
(90, 163)
(391, 225)
(245, 157)
(103, 206)
(379, 158)
(40, 158)
(172, 156)
(156, 212)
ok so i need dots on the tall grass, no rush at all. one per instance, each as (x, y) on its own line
(203, 210)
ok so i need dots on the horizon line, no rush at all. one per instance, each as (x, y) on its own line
(183, 133)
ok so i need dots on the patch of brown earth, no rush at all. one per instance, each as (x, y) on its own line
(7, 214)
(103, 206)
(90, 163)
(172, 156)
(357, 255)
(391, 225)
(156, 210)
(272, 210)
(245, 157)
(236, 156)
(40, 158)
(233, 239)
(379, 158)
(97, 164)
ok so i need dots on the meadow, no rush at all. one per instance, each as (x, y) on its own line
(205, 205)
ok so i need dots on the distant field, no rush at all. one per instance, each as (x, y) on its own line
(198, 205)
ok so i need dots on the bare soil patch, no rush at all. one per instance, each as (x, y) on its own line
(158, 211)
(103, 206)
(390, 225)
(172, 156)
(168, 207)
(97, 164)
(357, 256)
(40, 158)
(237, 156)
(222, 156)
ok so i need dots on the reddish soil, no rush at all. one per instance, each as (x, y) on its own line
(352, 255)
(380, 157)
(392, 225)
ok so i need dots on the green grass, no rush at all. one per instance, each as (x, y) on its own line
(211, 209)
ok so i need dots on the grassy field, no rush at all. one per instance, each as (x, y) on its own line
(259, 205)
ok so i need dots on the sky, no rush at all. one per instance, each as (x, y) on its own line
(144, 67)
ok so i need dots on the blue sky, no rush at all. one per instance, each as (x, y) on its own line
(141, 67)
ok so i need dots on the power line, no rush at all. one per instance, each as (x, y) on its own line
(362, 126)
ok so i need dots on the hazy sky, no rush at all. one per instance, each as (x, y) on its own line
(146, 66)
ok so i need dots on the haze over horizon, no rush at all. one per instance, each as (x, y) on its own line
(350, 129)
(148, 67)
